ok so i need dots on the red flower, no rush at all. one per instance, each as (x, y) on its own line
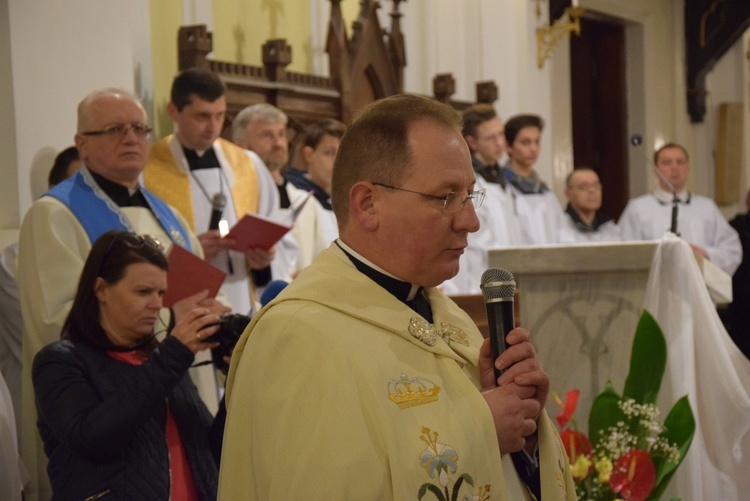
(571, 402)
(633, 476)
(576, 444)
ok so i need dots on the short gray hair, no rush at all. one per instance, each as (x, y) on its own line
(261, 111)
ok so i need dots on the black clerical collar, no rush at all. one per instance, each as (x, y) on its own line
(527, 185)
(599, 219)
(320, 194)
(490, 173)
(302, 182)
(206, 161)
(284, 201)
(404, 291)
(120, 194)
(666, 198)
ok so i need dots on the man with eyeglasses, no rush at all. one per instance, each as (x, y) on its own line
(584, 221)
(191, 167)
(362, 379)
(58, 231)
(700, 222)
(499, 224)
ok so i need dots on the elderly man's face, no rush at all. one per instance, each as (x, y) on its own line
(269, 141)
(673, 163)
(427, 241)
(119, 157)
(585, 191)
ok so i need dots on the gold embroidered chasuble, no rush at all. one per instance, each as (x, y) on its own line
(170, 180)
(332, 395)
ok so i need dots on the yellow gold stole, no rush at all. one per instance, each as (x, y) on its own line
(163, 177)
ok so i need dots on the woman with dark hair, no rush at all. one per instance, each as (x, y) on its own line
(118, 413)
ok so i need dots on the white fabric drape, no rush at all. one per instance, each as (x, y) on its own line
(703, 363)
(12, 472)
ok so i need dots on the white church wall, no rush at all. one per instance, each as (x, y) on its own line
(59, 52)
(8, 168)
(478, 40)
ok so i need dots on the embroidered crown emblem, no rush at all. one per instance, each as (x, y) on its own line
(409, 392)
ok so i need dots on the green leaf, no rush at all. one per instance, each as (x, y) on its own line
(648, 359)
(604, 413)
(432, 488)
(457, 485)
(680, 429)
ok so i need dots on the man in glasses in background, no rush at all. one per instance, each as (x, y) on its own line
(58, 231)
(585, 222)
(363, 379)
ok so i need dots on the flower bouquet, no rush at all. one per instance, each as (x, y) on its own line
(628, 453)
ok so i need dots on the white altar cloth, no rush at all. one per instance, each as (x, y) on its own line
(703, 363)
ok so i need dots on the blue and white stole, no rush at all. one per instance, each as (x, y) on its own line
(98, 214)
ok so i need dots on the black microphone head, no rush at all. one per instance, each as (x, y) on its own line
(219, 202)
(636, 140)
(497, 285)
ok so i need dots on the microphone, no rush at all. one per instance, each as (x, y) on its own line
(218, 202)
(498, 288)
(637, 140)
(217, 210)
(273, 289)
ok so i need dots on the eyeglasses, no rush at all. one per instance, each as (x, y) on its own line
(451, 202)
(140, 130)
(134, 242)
(139, 241)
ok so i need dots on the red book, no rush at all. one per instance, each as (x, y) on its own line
(254, 231)
(188, 274)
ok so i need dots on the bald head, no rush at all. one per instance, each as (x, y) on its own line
(584, 191)
(87, 108)
(112, 135)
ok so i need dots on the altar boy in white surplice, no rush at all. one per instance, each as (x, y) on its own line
(699, 221)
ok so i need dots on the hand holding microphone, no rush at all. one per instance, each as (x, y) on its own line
(212, 241)
(519, 365)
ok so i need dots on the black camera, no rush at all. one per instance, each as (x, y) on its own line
(231, 327)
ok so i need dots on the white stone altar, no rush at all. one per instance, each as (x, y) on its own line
(581, 304)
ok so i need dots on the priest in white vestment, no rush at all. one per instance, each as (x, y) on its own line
(60, 228)
(192, 167)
